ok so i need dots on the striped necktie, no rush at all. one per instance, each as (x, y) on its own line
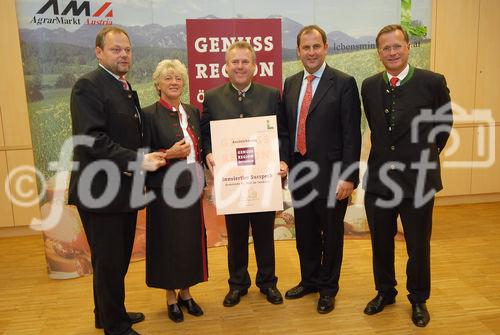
(304, 110)
(124, 83)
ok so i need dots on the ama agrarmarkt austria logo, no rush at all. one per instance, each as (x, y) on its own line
(74, 13)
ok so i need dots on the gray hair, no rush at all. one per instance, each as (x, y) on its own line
(170, 64)
(241, 45)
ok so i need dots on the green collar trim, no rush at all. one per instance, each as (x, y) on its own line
(411, 70)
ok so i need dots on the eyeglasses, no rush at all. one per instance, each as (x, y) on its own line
(387, 49)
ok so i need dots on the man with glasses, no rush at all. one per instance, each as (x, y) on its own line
(409, 115)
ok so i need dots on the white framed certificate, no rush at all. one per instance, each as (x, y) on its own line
(246, 155)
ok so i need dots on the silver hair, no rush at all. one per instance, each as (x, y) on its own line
(170, 64)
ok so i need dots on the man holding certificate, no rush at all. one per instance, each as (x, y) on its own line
(241, 98)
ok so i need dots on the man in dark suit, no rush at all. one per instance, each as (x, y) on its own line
(408, 111)
(106, 109)
(238, 99)
(321, 117)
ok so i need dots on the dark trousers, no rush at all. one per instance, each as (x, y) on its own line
(417, 226)
(111, 237)
(319, 235)
(237, 226)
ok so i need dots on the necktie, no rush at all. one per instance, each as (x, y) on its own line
(304, 109)
(394, 81)
(124, 83)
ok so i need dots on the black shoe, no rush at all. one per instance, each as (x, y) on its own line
(298, 292)
(326, 304)
(192, 307)
(175, 313)
(233, 297)
(128, 332)
(377, 304)
(273, 295)
(135, 317)
(419, 314)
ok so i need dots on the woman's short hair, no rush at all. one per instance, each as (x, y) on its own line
(170, 64)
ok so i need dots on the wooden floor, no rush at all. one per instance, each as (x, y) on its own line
(465, 296)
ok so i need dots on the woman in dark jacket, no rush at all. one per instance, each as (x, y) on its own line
(176, 256)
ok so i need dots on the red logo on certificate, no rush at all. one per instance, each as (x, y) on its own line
(245, 156)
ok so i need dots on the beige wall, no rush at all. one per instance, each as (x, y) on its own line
(465, 48)
(15, 136)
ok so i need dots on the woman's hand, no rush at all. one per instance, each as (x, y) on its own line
(180, 149)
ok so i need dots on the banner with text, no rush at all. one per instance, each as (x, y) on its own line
(208, 40)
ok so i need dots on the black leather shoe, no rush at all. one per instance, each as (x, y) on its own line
(377, 304)
(419, 314)
(135, 317)
(298, 292)
(192, 307)
(273, 295)
(128, 332)
(175, 313)
(326, 304)
(233, 297)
